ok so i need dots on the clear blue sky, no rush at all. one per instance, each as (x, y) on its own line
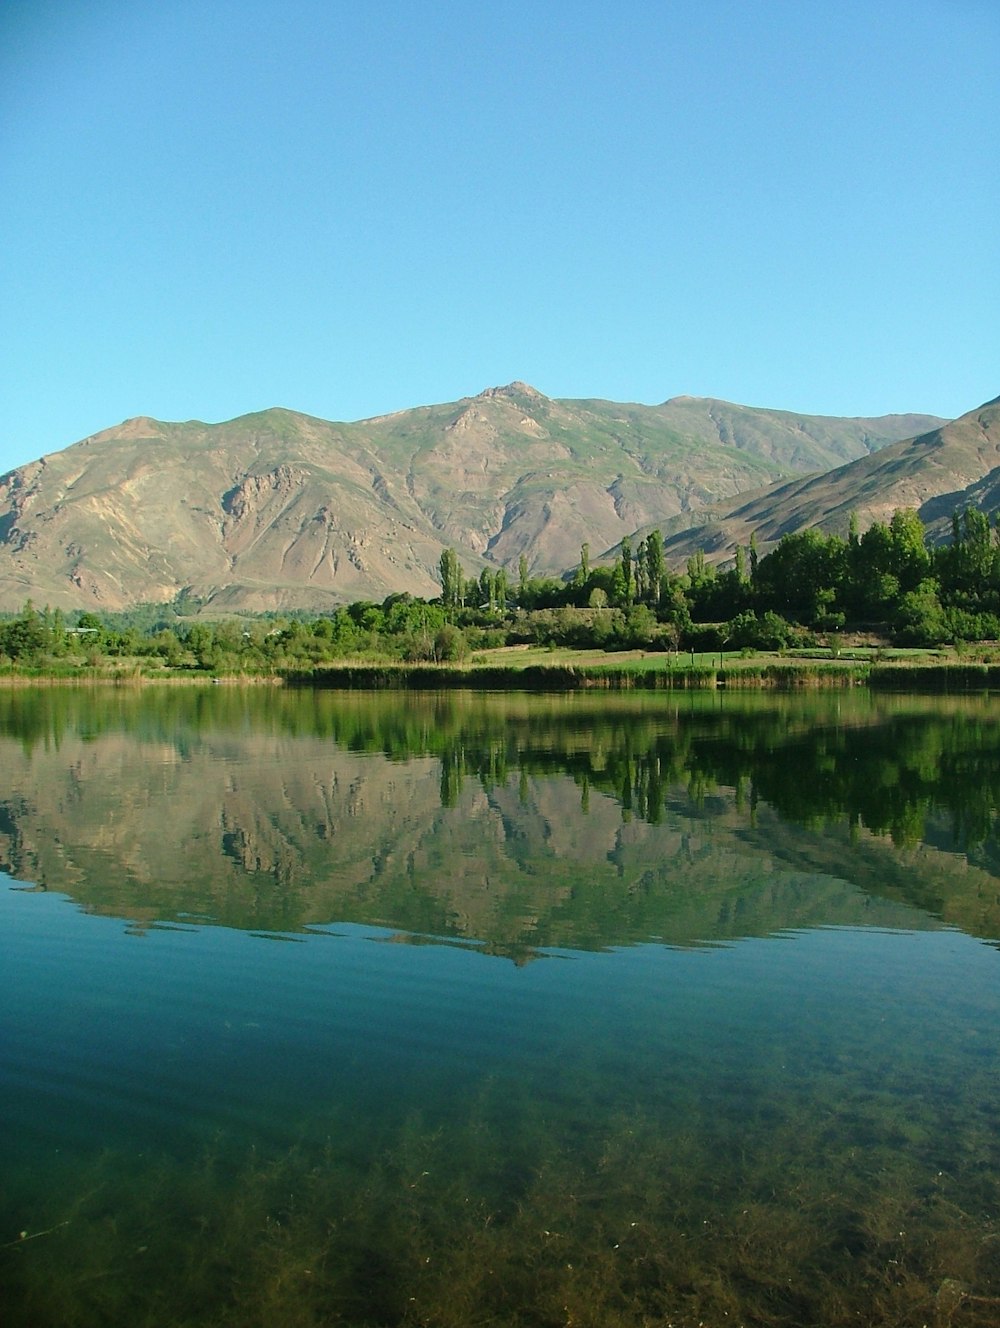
(212, 206)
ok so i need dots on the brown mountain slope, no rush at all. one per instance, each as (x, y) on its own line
(947, 469)
(279, 509)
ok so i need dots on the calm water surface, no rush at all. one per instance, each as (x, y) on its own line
(453, 1010)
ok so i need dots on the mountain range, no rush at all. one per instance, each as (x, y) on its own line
(278, 509)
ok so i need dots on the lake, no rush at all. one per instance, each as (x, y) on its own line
(451, 1009)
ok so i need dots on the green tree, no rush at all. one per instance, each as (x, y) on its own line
(701, 576)
(25, 637)
(920, 619)
(910, 558)
(639, 575)
(873, 584)
(452, 579)
(655, 567)
(742, 575)
(639, 627)
(618, 590)
(628, 574)
(968, 570)
(793, 578)
(501, 590)
(450, 644)
(583, 571)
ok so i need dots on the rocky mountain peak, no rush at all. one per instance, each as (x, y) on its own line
(515, 389)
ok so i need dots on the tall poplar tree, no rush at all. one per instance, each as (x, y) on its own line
(655, 566)
(452, 579)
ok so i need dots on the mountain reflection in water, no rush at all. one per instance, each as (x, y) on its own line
(751, 1080)
(516, 822)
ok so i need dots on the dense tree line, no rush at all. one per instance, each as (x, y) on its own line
(809, 585)
(401, 628)
(887, 580)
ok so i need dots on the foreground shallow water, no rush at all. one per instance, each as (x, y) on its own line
(457, 1010)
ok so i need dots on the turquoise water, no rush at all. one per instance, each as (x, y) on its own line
(498, 1010)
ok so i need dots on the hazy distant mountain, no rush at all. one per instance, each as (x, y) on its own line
(941, 471)
(279, 509)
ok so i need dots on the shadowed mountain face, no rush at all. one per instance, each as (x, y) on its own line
(278, 509)
(938, 473)
(512, 822)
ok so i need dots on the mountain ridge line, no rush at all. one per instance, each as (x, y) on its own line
(277, 508)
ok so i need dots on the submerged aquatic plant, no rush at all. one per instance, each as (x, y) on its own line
(501, 1219)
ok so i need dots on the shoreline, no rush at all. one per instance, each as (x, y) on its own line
(646, 673)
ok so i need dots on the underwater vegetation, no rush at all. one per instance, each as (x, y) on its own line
(823, 1217)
